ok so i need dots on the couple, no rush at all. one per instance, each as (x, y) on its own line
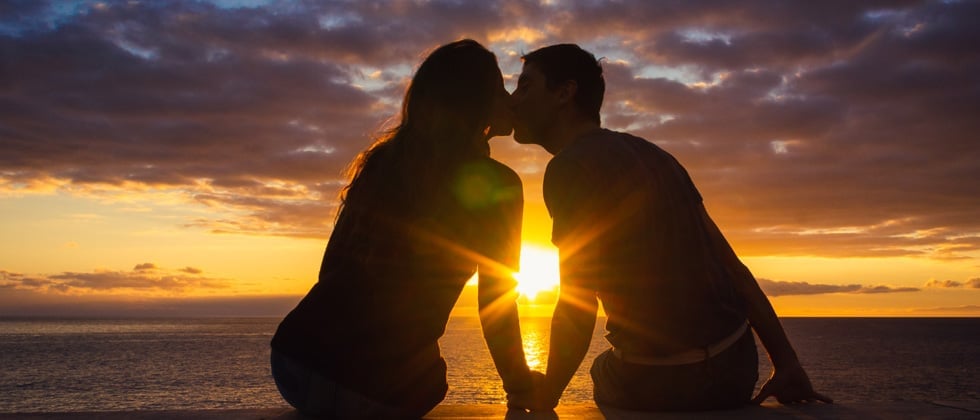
(426, 207)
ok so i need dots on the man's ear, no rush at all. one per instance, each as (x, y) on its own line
(566, 91)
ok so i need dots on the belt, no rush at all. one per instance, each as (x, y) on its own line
(686, 357)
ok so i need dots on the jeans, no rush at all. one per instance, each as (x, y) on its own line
(315, 395)
(724, 381)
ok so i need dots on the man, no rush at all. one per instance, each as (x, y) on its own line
(632, 232)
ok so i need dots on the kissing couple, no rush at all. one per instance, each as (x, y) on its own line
(426, 207)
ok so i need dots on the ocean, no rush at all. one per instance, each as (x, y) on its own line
(61, 365)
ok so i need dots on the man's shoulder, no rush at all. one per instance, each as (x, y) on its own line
(601, 147)
(604, 141)
(583, 147)
(582, 159)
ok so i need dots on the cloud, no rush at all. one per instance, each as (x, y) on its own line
(144, 266)
(946, 284)
(785, 288)
(815, 128)
(971, 310)
(842, 117)
(240, 306)
(885, 289)
(148, 290)
(144, 278)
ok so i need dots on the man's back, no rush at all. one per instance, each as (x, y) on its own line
(632, 232)
(631, 222)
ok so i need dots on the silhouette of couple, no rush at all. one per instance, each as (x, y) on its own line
(426, 207)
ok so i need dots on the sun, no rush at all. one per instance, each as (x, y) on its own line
(539, 271)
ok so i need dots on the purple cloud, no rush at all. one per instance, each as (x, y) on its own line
(815, 128)
(144, 277)
(784, 288)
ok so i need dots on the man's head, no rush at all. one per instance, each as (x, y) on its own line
(559, 84)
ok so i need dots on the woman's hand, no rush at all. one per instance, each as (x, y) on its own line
(529, 399)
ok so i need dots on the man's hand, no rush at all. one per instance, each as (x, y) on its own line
(790, 386)
(525, 399)
(533, 399)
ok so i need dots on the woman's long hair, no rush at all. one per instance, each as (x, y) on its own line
(445, 111)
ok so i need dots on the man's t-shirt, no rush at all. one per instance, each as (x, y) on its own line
(630, 225)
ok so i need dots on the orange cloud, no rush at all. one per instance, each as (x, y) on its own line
(946, 284)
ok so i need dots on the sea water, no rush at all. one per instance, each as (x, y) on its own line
(59, 365)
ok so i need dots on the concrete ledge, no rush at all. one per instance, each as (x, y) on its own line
(770, 410)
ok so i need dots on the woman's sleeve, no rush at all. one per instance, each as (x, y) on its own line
(498, 242)
(494, 198)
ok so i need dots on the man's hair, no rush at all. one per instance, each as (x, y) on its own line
(563, 62)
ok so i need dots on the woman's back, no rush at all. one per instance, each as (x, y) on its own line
(425, 208)
(391, 275)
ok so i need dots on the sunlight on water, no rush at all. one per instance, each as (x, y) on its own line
(535, 347)
(471, 373)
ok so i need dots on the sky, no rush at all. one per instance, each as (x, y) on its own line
(184, 157)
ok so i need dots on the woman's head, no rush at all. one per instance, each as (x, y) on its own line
(454, 103)
(452, 97)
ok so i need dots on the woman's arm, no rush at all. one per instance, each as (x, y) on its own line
(502, 332)
(501, 248)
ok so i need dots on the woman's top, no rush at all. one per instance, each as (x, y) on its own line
(391, 274)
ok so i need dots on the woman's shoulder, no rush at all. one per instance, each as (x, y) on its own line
(493, 169)
(484, 183)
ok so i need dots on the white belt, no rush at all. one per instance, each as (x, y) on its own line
(686, 357)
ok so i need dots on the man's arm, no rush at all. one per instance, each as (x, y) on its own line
(574, 196)
(789, 382)
(572, 326)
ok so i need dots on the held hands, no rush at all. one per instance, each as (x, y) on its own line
(790, 386)
(537, 398)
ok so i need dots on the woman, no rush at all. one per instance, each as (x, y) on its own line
(425, 208)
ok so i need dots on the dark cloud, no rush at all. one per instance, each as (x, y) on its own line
(243, 306)
(943, 283)
(146, 277)
(144, 266)
(139, 94)
(812, 128)
(861, 149)
(784, 288)
(15, 281)
(886, 289)
(98, 293)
